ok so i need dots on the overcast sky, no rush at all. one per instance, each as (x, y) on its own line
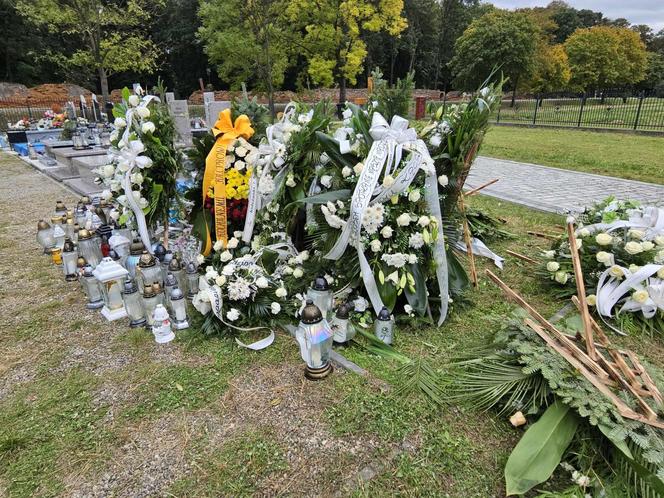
(649, 12)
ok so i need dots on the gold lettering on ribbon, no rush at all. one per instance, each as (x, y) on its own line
(220, 217)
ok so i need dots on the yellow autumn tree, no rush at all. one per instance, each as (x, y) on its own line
(330, 35)
(552, 70)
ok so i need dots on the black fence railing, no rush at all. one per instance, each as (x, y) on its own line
(602, 111)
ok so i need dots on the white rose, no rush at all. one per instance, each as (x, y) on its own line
(641, 296)
(298, 272)
(375, 245)
(412, 259)
(133, 100)
(261, 282)
(143, 112)
(326, 181)
(591, 300)
(233, 314)
(424, 221)
(403, 220)
(148, 127)
(443, 180)
(552, 266)
(120, 123)
(346, 172)
(218, 246)
(636, 234)
(603, 239)
(561, 277)
(109, 170)
(414, 196)
(634, 268)
(232, 243)
(584, 232)
(604, 257)
(290, 181)
(239, 165)
(220, 280)
(388, 181)
(408, 309)
(225, 256)
(287, 270)
(647, 245)
(143, 203)
(200, 259)
(304, 255)
(211, 275)
(549, 254)
(281, 292)
(201, 305)
(358, 168)
(275, 308)
(386, 232)
(633, 247)
(228, 270)
(660, 273)
(659, 240)
(136, 178)
(616, 272)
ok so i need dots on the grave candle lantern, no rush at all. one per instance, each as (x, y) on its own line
(315, 339)
(175, 268)
(148, 269)
(135, 250)
(161, 325)
(343, 330)
(169, 284)
(384, 326)
(69, 260)
(133, 304)
(111, 276)
(91, 288)
(192, 280)
(88, 246)
(179, 307)
(150, 302)
(45, 236)
(321, 295)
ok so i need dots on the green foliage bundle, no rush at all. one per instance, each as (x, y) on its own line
(519, 371)
(392, 100)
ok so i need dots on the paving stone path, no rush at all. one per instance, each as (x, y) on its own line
(553, 189)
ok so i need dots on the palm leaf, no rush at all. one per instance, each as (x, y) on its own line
(418, 376)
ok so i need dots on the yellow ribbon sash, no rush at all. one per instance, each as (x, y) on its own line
(225, 131)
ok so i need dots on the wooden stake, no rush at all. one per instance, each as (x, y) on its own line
(520, 256)
(569, 343)
(543, 235)
(620, 405)
(581, 291)
(647, 380)
(466, 238)
(483, 186)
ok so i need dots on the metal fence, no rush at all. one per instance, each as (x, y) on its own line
(13, 110)
(623, 112)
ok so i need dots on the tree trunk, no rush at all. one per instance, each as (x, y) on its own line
(342, 89)
(516, 84)
(103, 82)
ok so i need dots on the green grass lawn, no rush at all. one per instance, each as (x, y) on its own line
(85, 403)
(634, 157)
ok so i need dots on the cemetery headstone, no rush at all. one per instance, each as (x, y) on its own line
(180, 111)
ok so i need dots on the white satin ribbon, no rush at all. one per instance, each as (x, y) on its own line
(650, 219)
(479, 248)
(130, 154)
(611, 290)
(384, 157)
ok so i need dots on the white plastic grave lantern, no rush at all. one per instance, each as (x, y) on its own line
(45, 236)
(314, 336)
(161, 325)
(179, 307)
(69, 261)
(192, 280)
(111, 277)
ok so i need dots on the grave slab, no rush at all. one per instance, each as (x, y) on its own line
(83, 186)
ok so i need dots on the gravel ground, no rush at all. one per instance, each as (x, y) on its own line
(51, 332)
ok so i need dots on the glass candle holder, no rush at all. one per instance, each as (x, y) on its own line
(178, 272)
(179, 307)
(314, 336)
(92, 289)
(70, 261)
(169, 284)
(135, 251)
(192, 281)
(343, 330)
(384, 326)
(56, 255)
(150, 303)
(148, 270)
(321, 295)
(133, 304)
(88, 247)
(45, 236)
(111, 276)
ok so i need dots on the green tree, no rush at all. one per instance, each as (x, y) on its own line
(332, 35)
(552, 70)
(248, 41)
(499, 38)
(605, 56)
(654, 79)
(111, 34)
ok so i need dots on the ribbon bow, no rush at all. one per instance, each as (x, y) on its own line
(224, 131)
(385, 155)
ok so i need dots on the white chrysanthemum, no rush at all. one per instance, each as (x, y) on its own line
(373, 218)
(238, 289)
(416, 240)
(233, 314)
(561, 277)
(266, 184)
(298, 272)
(552, 266)
(397, 260)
